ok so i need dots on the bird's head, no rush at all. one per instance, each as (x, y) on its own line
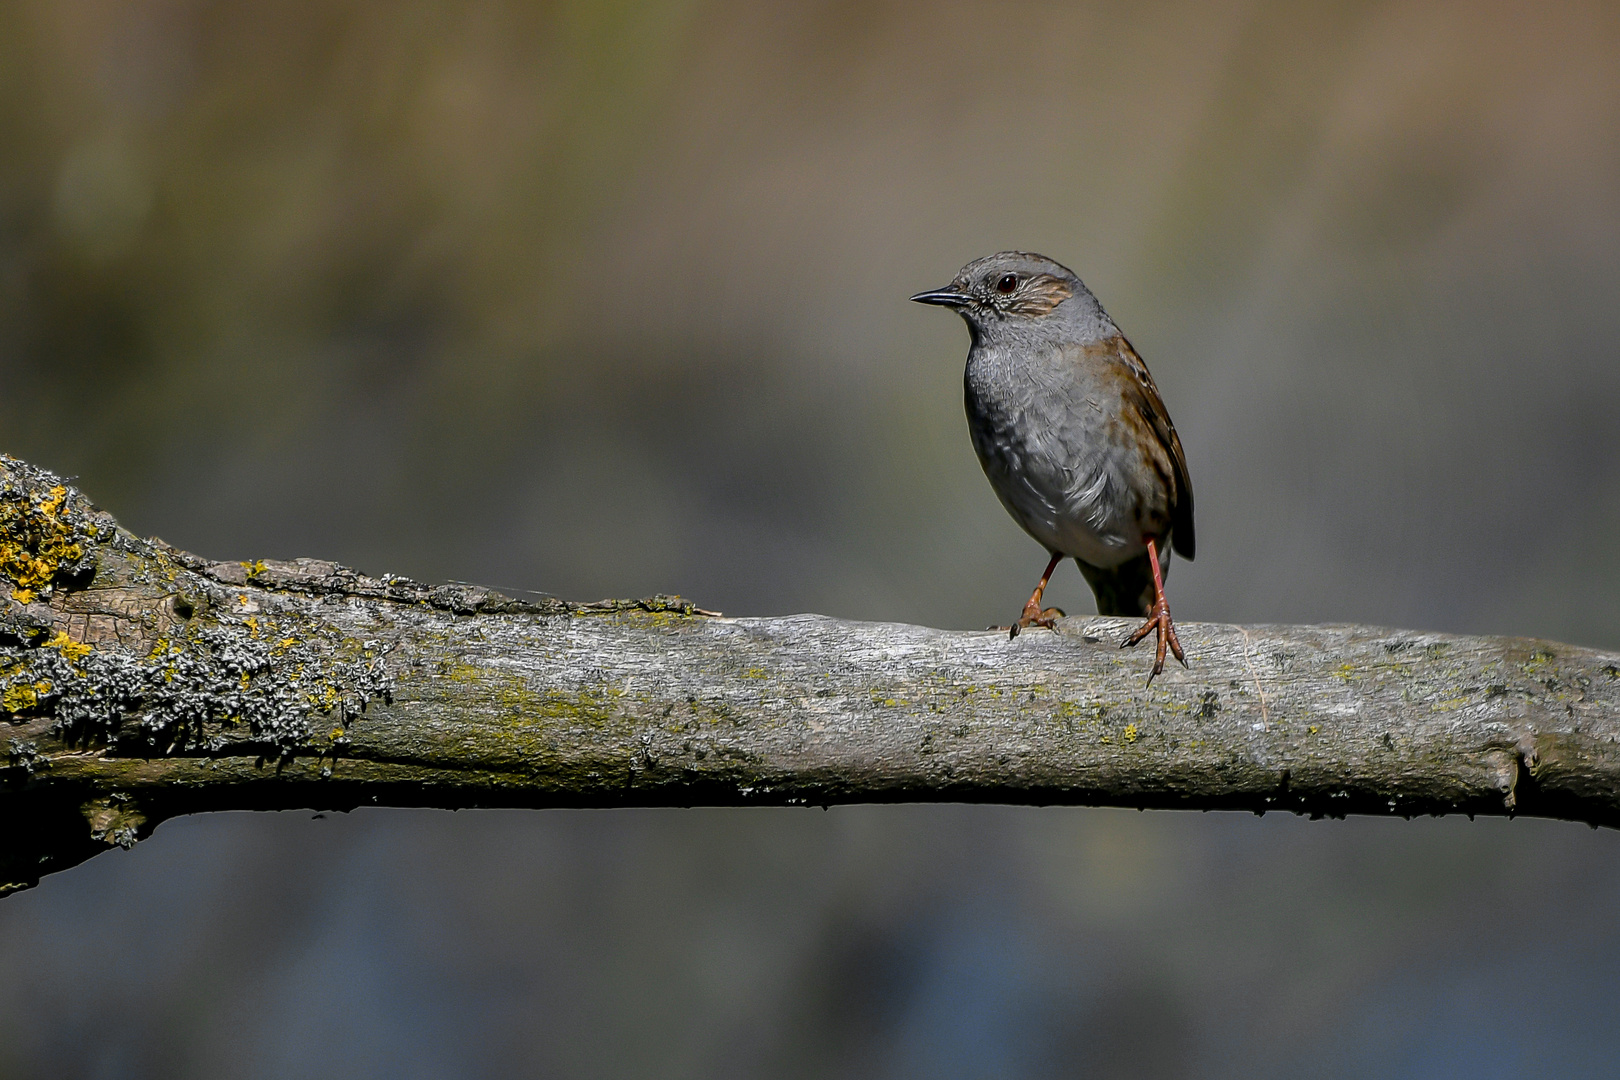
(1017, 289)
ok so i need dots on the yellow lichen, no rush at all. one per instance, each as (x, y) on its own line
(24, 696)
(36, 542)
(73, 650)
(1130, 733)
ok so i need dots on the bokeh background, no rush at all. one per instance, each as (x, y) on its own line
(608, 298)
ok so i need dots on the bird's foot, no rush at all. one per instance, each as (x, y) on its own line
(1158, 620)
(1033, 616)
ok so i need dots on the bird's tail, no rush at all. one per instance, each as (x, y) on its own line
(1126, 589)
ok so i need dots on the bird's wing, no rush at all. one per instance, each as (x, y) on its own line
(1143, 393)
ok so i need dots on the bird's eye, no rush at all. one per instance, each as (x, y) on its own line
(1007, 284)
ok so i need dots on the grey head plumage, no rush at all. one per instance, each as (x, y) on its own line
(1018, 294)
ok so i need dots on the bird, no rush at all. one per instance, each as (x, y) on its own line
(1074, 438)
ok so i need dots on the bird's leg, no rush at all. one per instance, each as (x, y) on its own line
(1033, 614)
(1158, 619)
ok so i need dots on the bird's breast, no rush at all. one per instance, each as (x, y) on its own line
(1048, 436)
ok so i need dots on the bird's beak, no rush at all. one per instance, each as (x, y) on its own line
(943, 297)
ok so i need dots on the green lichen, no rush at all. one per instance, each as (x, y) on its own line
(1538, 660)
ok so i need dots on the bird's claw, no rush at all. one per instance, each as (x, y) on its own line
(1034, 616)
(1158, 620)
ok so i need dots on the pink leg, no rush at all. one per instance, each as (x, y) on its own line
(1158, 619)
(1033, 614)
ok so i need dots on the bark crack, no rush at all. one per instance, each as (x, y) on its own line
(1254, 676)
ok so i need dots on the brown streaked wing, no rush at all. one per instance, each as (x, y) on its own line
(1152, 406)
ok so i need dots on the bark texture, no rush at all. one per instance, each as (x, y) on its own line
(138, 682)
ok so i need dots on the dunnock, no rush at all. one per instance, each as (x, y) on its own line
(1074, 437)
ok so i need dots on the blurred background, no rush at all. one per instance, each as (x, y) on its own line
(608, 298)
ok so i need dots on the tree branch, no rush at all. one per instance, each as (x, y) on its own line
(138, 682)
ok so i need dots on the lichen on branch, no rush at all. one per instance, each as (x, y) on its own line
(204, 676)
(45, 533)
